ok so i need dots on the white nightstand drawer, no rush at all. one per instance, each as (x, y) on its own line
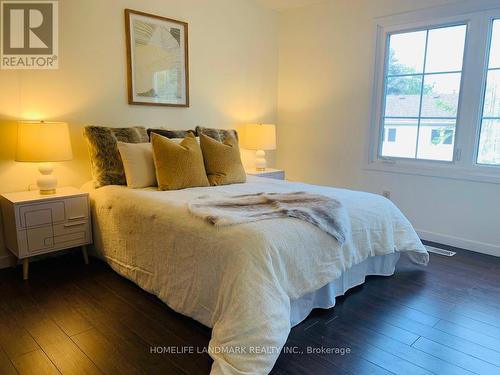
(47, 238)
(71, 227)
(76, 208)
(40, 239)
(41, 214)
(71, 239)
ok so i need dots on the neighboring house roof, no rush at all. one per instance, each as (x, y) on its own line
(442, 105)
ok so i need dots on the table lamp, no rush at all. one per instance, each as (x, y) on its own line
(43, 142)
(259, 137)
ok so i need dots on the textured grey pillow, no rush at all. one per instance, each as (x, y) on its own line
(105, 159)
(218, 134)
(171, 133)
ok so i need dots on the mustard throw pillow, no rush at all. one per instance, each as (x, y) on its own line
(178, 165)
(222, 161)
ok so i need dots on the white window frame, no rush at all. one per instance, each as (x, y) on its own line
(478, 15)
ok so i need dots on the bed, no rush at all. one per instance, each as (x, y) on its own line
(250, 282)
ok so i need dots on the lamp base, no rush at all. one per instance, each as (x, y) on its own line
(48, 192)
(46, 182)
(260, 160)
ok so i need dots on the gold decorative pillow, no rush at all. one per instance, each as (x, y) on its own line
(178, 165)
(222, 161)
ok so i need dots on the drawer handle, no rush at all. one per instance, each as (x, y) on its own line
(73, 224)
(77, 217)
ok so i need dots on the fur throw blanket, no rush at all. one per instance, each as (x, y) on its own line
(326, 213)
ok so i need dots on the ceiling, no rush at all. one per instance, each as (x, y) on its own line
(281, 5)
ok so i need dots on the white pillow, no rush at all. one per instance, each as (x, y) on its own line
(138, 164)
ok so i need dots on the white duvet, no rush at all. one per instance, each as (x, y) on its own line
(239, 279)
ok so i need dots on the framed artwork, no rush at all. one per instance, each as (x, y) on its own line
(157, 60)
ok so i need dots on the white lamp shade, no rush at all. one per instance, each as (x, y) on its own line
(40, 142)
(258, 137)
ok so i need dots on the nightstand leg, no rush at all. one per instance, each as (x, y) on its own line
(85, 254)
(26, 267)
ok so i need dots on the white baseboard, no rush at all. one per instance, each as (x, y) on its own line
(478, 247)
(6, 261)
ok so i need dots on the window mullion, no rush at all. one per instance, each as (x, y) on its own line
(421, 93)
(473, 77)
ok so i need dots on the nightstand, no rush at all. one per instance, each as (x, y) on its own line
(37, 224)
(276, 174)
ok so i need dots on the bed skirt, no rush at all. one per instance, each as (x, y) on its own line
(324, 298)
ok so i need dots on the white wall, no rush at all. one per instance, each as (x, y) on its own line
(233, 74)
(324, 99)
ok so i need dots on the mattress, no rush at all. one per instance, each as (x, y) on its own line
(251, 282)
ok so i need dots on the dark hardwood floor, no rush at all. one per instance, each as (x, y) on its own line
(76, 319)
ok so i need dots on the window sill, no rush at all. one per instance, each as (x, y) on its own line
(440, 170)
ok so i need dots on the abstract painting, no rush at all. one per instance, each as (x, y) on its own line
(157, 60)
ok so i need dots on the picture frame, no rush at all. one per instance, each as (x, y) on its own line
(157, 60)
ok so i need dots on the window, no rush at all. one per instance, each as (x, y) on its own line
(489, 140)
(422, 88)
(442, 136)
(391, 135)
(436, 103)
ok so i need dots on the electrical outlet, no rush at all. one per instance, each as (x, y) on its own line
(387, 194)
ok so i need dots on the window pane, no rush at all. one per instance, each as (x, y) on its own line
(495, 45)
(445, 49)
(436, 138)
(391, 135)
(403, 96)
(489, 138)
(406, 53)
(489, 145)
(492, 96)
(448, 136)
(440, 97)
(405, 141)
